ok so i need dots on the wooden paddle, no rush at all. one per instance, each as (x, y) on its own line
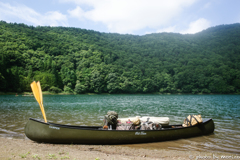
(37, 92)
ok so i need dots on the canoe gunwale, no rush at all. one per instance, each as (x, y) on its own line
(99, 127)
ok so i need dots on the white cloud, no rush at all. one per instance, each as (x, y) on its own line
(21, 11)
(197, 26)
(27, 14)
(54, 19)
(127, 16)
(193, 27)
(77, 13)
(121, 16)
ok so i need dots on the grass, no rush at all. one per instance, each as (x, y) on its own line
(62, 152)
(52, 156)
(24, 155)
(49, 156)
(36, 156)
(65, 157)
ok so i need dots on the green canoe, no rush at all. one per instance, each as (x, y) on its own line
(57, 133)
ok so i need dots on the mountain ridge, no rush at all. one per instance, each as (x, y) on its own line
(67, 59)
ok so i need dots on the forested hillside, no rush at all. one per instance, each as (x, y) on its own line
(74, 60)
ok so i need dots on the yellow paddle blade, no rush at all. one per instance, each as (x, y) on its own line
(41, 101)
(35, 91)
(40, 92)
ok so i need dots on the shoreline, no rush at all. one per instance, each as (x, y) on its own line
(11, 148)
(156, 93)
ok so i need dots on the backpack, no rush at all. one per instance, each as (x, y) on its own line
(111, 119)
(192, 120)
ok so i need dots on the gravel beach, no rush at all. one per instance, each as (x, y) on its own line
(27, 149)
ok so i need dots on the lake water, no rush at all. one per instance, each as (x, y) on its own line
(90, 109)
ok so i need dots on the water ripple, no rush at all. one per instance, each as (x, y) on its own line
(90, 110)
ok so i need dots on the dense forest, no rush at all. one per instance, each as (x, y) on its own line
(73, 60)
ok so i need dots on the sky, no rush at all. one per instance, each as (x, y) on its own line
(137, 17)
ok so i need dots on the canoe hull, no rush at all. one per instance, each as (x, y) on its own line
(56, 133)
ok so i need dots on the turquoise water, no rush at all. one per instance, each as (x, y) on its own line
(90, 109)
